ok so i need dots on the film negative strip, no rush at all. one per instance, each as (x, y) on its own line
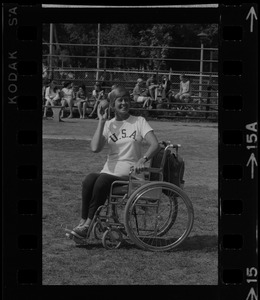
(237, 152)
(238, 161)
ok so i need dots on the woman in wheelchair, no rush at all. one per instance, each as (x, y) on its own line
(123, 135)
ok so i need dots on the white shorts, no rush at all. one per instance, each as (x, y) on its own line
(141, 99)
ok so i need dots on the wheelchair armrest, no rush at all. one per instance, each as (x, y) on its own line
(153, 170)
(146, 169)
(119, 183)
(119, 187)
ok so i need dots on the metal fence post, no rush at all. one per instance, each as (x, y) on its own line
(51, 48)
(98, 52)
(201, 68)
(202, 36)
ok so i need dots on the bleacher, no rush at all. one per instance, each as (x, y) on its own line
(203, 103)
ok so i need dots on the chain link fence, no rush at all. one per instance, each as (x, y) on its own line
(125, 77)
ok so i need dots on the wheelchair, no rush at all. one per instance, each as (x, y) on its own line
(154, 215)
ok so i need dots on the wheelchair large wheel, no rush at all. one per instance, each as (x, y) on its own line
(158, 216)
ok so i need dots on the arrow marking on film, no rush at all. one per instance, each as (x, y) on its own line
(252, 295)
(253, 162)
(252, 15)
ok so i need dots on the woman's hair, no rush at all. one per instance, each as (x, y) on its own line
(120, 90)
(97, 86)
(83, 87)
(55, 85)
(67, 83)
(184, 76)
(55, 88)
(46, 81)
(115, 85)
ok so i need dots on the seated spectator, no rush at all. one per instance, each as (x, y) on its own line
(166, 86)
(104, 81)
(171, 94)
(67, 98)
(70, 75)
(152, 86)
(81, 101)
(45, 83)
(52, 96)
(185, 90)
(113, 87)
(98, 95)
(140, 94)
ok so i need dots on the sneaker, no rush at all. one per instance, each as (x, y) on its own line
(81, 223)
(80, 231)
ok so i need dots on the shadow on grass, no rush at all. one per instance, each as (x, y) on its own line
(204, 242)
(199, 242)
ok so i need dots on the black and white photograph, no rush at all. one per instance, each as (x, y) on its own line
(130, 154)
(130, 150)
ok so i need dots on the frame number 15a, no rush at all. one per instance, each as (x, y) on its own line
(251, 144)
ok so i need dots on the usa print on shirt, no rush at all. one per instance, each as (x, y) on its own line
(124, 140)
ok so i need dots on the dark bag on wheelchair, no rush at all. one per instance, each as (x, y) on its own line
(173, 171)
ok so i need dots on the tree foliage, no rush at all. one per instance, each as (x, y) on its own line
(155, 39)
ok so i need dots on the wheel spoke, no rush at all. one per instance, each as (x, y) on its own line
(160, 222)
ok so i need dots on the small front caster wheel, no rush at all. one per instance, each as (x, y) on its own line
(98, 231)
(112, 238)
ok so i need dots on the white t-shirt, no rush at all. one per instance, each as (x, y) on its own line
(96, 94)
(124, 140)
(185, 86)
(67, 94)
(51, 95)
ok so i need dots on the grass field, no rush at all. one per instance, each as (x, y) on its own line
(67, 159)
